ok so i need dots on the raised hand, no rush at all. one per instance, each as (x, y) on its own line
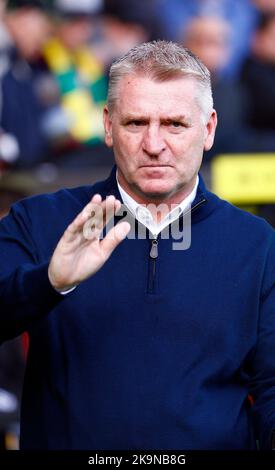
(80, 253)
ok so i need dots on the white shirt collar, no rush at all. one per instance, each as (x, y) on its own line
(144, 216)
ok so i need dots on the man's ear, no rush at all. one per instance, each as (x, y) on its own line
(210, 130)
(108, 127)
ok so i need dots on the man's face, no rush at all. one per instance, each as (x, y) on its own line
(32, 30)
(158, 135)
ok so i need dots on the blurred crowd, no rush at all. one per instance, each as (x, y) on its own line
(55, 56)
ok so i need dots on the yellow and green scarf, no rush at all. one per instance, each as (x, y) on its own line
(83, 89)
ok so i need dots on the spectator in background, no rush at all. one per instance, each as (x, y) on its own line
(126, 24)
(264, 6)
(5, 41)
(28, 27)
(258, 77)
(54, 92)
(9, 150)
(74, 125)
(241, 15)
(210, 38)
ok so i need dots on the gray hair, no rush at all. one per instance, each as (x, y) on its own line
(162, 61)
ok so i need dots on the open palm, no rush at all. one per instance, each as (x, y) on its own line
(80, 252)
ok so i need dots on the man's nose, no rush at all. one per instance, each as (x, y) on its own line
(153, 141)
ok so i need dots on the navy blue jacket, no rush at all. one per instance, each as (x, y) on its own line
(147, 353)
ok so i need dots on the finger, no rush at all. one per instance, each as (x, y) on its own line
(99, 216)
(117, 206)
(94, 207)
(75, 227)
(114, 237)
(96, 199)
(93, 217)
(77, 224)
(112, 210)
(109, 210)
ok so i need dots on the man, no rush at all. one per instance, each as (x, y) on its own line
(28, 27)
(210, 37)
(135, 343)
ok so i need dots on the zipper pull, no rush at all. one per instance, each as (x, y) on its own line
(154, 249)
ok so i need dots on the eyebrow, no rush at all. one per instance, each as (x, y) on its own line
(178, 118)
(134, 117)
(139, 117)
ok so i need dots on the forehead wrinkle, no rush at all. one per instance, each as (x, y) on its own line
(132, 96)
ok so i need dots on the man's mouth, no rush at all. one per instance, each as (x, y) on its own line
(155, 166)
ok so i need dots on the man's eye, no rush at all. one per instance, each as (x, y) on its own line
(173, 124)
(136, 123)
(176, 124)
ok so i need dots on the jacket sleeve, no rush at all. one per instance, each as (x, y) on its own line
(25, 291)
(263, 363)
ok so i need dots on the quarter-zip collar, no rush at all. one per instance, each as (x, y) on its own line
(202, 206)
(144, 216)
